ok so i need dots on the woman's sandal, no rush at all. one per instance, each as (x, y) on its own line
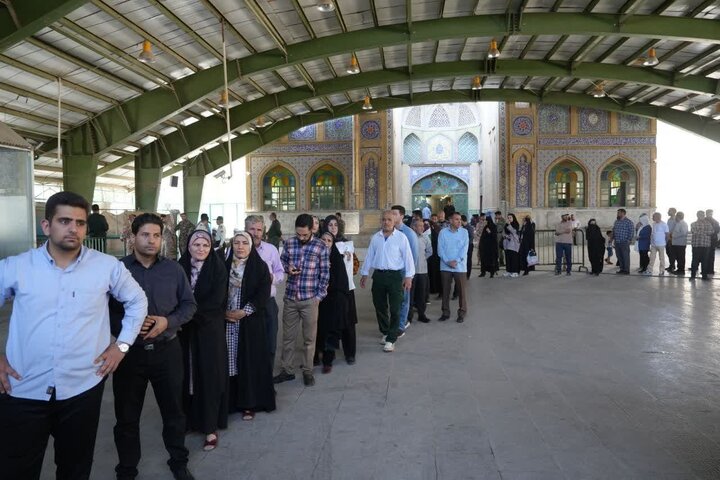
(248, 415)
(211, 442)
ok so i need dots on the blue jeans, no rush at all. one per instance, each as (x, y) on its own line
(563, 249)
(622, 250)
(404, 308)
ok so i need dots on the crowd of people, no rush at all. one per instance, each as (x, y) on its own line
(202, 329)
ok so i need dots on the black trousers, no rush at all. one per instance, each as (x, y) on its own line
(271, 327)
(162, 366)
(419, 292)
(679, 255)
(469, 259)
(644, 259)
(700, 257)
(26, 425)
(670, 250)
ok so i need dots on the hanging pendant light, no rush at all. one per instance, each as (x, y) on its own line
(354, 68)
(493, 51)
(651, 59)
(224, 102)
(476, 83)
(147, 56)
(598, 91)
(262, 121)
(366, 103)
(326, 6)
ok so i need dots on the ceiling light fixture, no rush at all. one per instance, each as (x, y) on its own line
(716, 111)
(476, 83)
(147, 56)
(366, 103)
(224, 102)
(354, 68)
(263, 122)
(651, 59)
(326, 6)
(493, 51)
(598, 91)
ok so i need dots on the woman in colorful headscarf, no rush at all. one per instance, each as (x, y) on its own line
(203, 339)
(251, 382)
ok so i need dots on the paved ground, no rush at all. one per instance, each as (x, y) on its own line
(549, 378)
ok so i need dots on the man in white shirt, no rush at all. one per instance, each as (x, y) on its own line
(420, 280)
(220, 233)
(426, 212)
(388, 255)
(658, 242)
(668, 248)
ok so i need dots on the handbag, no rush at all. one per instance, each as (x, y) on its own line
(356, 264)
(532, 258)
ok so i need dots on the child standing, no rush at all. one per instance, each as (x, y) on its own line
(609, 246)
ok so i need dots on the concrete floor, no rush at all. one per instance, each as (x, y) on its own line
(549, 378)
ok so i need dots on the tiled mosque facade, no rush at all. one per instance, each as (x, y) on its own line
(525, 158)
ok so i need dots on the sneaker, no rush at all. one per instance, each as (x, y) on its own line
(402, 334)
(407, 325)
(350, 360)
(308, 379)
(514, 275)
(389, 347)
(382, 339)
(283, 377)
(647, 272)
(507, 274)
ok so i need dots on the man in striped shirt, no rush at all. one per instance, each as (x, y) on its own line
(306, 261)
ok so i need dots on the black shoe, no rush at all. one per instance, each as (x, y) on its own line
(424, 320)
(454, 297)
(525, 273)
(481, 275)
(182, 474)
(679, 273)
(669, 269)
(283, 377)
(350, 360)
(308, 379)
(692, 278)
(443, 318)
(557, 272)
(460, 319)
(705, 277)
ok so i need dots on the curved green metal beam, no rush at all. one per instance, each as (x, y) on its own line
(217, 157)
(187, 139)
(122, 122)
(32, 16)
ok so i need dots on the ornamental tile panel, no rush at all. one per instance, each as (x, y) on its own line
(554, 119)
(339, 129)
(522, 182)
(522, 126)
(302, 148)
(593, 120)
(594, 141)
(306, 133)
(628, 123)
(417, 173)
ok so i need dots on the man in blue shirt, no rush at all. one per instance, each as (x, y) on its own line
(623, 232)
(398, 215)
(453, 252)
(59, 347)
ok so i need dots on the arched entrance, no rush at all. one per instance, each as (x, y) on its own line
(440, 189)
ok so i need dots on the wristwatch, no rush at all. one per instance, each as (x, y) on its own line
(123, 347)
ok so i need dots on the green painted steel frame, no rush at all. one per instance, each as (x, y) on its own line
(124, 121)
(33, 16)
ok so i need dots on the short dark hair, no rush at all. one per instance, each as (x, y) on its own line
(455, 213)
(463, 218)
(204, 216)
(498, 212)
(219, 219)
(304, 220)
(144, 219)
(68, 199)
(338, 214)
(622, 210)
(399, 208)
(95, 207)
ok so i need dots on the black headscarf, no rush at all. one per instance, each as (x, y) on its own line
(593, 232)
(338, 274)
(212, 279)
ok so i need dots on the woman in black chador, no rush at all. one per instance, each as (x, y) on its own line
(488, 239)
(333, 312)
(596, 247)
(203, 339)
(251, 385)
(527, 243)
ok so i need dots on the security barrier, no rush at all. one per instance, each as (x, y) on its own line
(112, 245)
(545, 248)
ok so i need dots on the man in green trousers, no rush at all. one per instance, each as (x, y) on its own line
(388, 255)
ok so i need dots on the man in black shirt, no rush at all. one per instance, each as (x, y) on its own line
(97, 227)
(156, 355)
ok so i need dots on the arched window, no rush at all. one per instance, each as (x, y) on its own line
(327, 189)
(468, 148)
(566, 185)
(279, 189)
(618, 185)
(412, 149)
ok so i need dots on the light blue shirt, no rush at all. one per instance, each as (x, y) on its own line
(389, 253)
(412, 240)
(453, 246)
(60, 321)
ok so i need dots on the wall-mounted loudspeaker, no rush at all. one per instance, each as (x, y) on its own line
(174, 181)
